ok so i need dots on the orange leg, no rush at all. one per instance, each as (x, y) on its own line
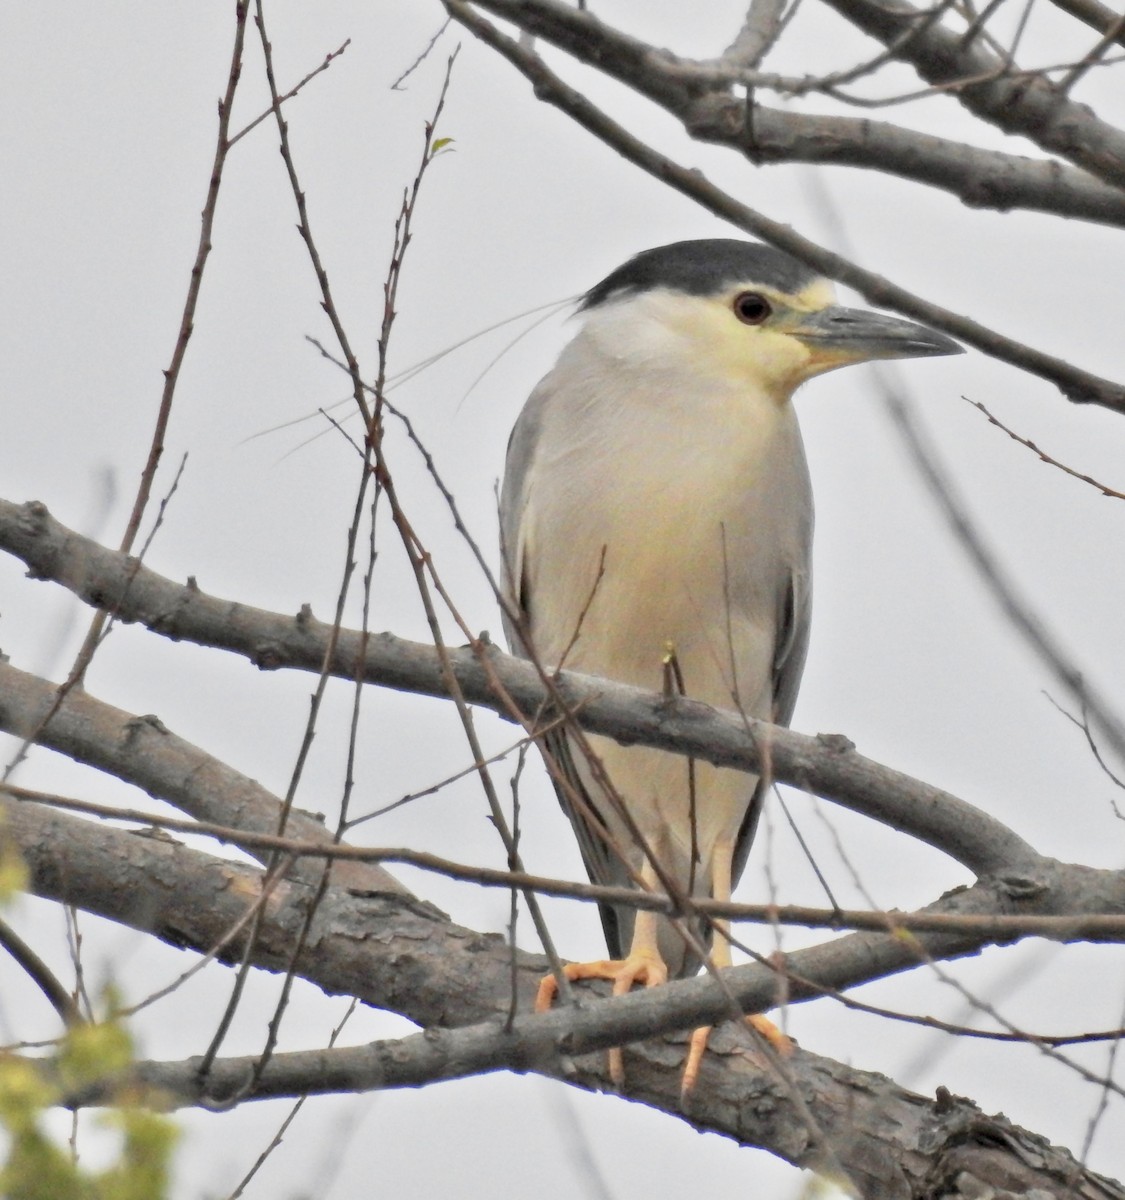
(643, 965)
(720, 958)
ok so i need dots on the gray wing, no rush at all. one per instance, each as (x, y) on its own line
(794, 620)
(602, 865)
(792, 645)
(514, 492)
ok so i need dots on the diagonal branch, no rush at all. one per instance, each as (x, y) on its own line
(1078, 385)
(979, 178)
(701, 97)
(1096, 927)
(1023, 103)
(1029, 105)
(143, 751)
(387, 951)
(1094, 14)
(825, 765)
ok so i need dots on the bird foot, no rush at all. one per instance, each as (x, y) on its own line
(763, 1026)
(645, 968)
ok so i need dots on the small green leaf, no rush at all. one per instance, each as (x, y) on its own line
(439, 145)
(23, 1093)
(36, 1166)
(13, 871)
(91, 1052)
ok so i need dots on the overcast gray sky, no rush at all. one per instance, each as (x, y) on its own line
(107, 125)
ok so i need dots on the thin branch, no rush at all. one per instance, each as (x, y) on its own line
(1104, 1096)
(41, 975)
(459, 978)
(1043, 456)
(1095, 56)
(1091, 927)
(187, 324)
(289, 1118)
(280, 862)
(329, 59)
(1091, 741)
(1078, 385)
(971, 540)
(828, 766)
(1092, 13)
(1015, 606)
(830, 84)
(427, 50)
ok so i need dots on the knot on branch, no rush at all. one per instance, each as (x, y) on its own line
(33, 522)
(1022, 887)
(716, 116)
(837, 743)
(268, 656)
(980, 1157)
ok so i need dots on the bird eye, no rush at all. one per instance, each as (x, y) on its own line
(752, 308)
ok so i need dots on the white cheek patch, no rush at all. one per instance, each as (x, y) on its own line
(778, 357)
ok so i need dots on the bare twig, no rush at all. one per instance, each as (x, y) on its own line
(329, 59)
(1091, 741)
(289, 1118)
(1078, 385)
(1105, 489)
(1096, 54)
(1094, 14)
(1016, 607)
(41, 975)
(1090, 927)
(397, 85)
(1104, 1093)
(278, 863)
(187, 324)
(827, 766)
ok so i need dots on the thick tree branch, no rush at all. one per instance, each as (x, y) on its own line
(1021, 103)
(141, 750)
(699, 95)
(948, 1138)
(391, 953)
(979, 178)
(1028, 104)
(827, 766)
(1098, 927)
(1094, 14)
(1076, 384)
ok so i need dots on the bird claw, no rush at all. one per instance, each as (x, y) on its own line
(697, 1044)
(644, 968)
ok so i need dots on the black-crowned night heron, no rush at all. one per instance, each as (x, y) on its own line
(657, 523)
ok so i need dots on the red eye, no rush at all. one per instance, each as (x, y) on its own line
(751, 308)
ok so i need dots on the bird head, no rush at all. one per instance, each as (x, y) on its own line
(748, 313)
